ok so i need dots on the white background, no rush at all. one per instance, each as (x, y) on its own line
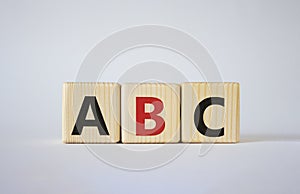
(254, 42)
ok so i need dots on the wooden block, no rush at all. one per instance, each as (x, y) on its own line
(95, 108)
(150, 113)
(210, 112)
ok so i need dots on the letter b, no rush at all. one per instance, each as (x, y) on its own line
(141, 115)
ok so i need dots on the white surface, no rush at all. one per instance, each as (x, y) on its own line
(253, 42)
(256, 165)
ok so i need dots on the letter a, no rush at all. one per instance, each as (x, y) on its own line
(82, 121)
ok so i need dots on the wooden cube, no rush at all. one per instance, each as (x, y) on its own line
(150, 113)
(91, 113)
(210, 112)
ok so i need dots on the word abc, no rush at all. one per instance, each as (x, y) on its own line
(151, 112)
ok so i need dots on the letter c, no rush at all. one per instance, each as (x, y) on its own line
(199, 113)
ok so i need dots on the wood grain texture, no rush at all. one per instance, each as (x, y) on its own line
(169, 94)
(108, 97)
(215, 116)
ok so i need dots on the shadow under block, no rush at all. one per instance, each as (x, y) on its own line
(91, 100)
(215, 115)
(141, 98)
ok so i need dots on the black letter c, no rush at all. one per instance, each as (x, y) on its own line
(198, 117)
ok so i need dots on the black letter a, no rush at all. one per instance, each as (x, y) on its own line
(81, 120)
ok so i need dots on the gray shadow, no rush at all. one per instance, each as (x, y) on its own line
(252, 138)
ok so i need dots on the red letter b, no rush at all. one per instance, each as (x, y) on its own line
(141, 115)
